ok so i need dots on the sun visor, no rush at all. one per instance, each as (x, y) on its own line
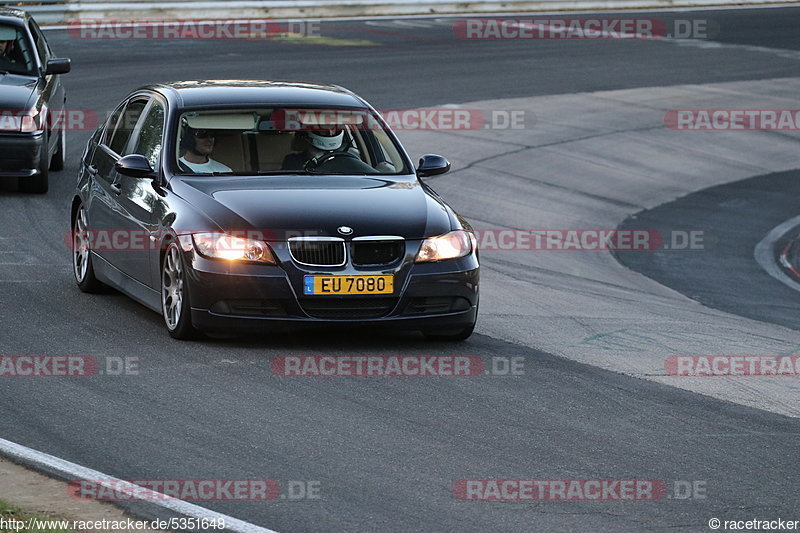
(222, 121)
(7, 34)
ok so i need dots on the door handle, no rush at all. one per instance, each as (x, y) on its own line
(91, 169)
(116, 188)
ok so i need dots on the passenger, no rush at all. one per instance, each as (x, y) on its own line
(197, 147)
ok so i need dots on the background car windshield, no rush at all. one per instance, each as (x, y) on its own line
(17, 56)
(285, 140)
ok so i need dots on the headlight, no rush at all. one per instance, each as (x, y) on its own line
(31, 122)
(224, 246)
(448, 246)
(24, 121)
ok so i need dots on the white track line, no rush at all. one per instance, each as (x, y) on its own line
(66, 469)
(765, 252)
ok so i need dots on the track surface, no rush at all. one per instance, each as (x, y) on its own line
(765, 202)
(386, 452)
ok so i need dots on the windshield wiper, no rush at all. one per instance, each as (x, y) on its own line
(281, 172)
(254, 173)
(257, 173)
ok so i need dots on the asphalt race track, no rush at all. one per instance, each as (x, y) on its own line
(593, 400)
(762, 200)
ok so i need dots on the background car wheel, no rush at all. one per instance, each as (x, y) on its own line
(448, 334)
(82, 256)
(174, 296)
(57, 162)
(38, 184)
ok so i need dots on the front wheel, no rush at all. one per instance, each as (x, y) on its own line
(57, 162)
(174, 296)
(82, 255)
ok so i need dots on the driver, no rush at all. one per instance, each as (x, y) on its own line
(8, 37)
(318, 143)
(197, 146)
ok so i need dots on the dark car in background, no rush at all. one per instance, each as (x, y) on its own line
(32, 99)
(228, 205)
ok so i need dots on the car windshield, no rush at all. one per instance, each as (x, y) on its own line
(286, 141)
(16, 55)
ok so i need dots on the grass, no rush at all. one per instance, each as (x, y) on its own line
(10, 512)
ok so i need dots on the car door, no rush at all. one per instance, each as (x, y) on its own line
(138, 199)
(51, 88)
(117, 237)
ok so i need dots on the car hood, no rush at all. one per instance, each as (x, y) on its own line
(16, 92)
(286, 206)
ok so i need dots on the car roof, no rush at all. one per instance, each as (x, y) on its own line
(218, 93)
(8, 14)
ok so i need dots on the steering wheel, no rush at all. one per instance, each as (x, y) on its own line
(332, 156)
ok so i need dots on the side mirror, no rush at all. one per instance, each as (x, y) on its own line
(57, 66)
(432, 165)
(135, 166)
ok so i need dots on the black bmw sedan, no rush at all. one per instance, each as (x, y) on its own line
(32, 137)
(235, 205)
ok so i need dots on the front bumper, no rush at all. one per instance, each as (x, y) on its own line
(20, 154)
(236, 296)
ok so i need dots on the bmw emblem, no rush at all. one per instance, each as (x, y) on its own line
(345, 230)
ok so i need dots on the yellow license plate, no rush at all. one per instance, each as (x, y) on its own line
(322, 285)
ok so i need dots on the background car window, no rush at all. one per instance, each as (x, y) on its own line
(42, 49)
(125, 126)
(18, 59)
(149, 142)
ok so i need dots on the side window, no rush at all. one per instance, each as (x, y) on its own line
(126, 124)
(16, 56)
(150, 134)
(41, 44)
(111, 125)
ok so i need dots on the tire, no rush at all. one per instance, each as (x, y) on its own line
(175, 306)
(39, 183)
(449, 335)
(82, 256)
(57, 162)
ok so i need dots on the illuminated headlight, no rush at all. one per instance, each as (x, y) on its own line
(224, 246)
(451, 245)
